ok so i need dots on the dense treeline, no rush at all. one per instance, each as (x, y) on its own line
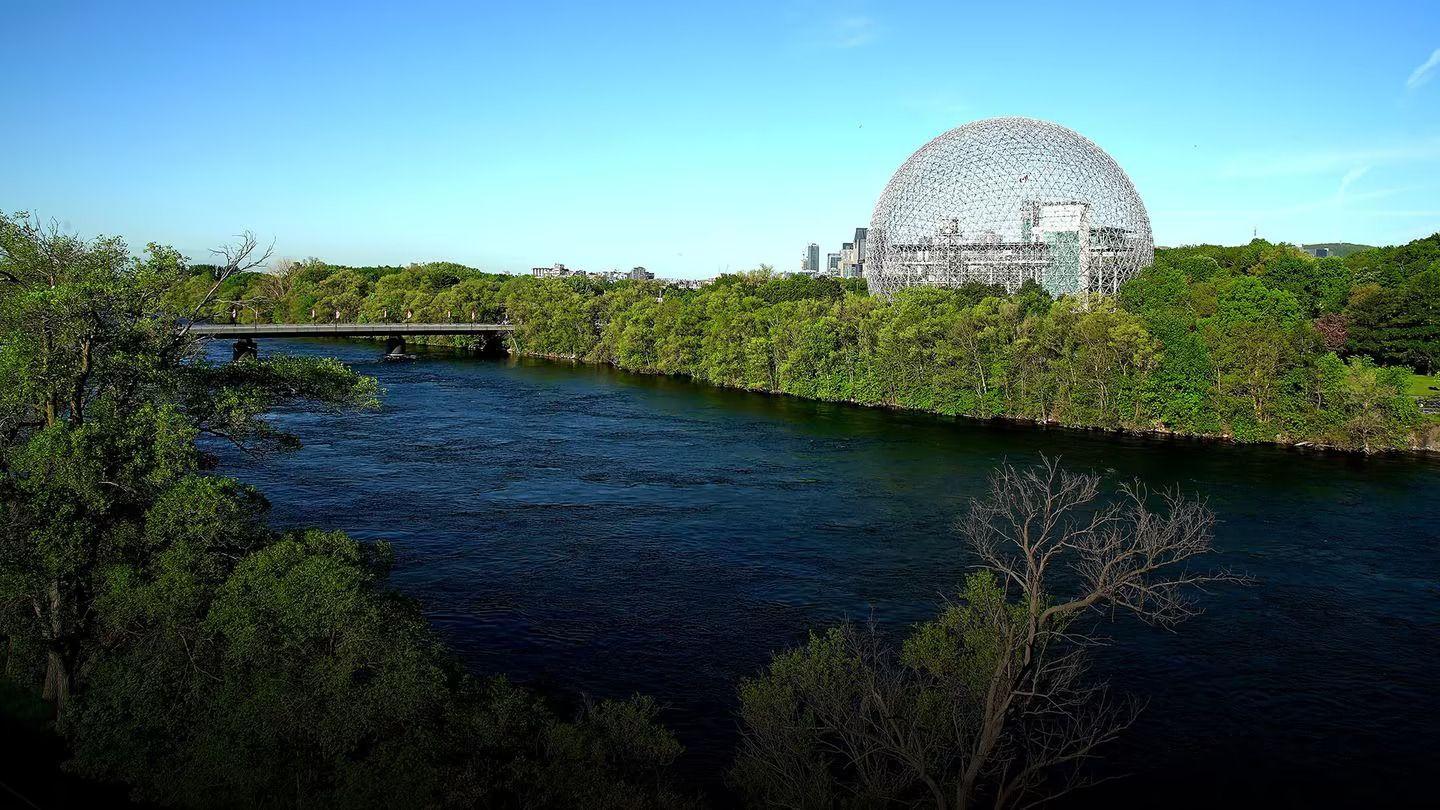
(1259, 342)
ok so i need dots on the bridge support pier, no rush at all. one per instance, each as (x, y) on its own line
(491, 346)
(243, 348)
(395, 346)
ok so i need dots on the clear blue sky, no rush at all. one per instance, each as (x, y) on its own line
(693, 136)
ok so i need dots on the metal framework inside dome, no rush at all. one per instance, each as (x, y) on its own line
(1004, 201)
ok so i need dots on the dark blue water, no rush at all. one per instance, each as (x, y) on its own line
(584, 529)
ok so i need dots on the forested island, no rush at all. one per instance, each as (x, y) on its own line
(1255, 343)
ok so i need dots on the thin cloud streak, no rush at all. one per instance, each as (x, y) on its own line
(1349, 179)
(1424, 73)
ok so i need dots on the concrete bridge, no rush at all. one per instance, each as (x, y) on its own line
(245, 334)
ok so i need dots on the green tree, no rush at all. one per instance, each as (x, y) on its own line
(1255, 336)
(1371, 409)
(1402, 324)
(104, 399)
(1114, 353)
(340, 296)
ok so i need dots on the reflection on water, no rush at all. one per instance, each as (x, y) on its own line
(587, 529)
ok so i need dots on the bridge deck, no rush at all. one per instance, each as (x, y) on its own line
(275, 330)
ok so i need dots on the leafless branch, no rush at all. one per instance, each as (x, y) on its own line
(237, 258)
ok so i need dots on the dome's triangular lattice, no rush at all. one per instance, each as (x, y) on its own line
(1003, 201)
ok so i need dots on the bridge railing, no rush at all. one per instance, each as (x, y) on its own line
(318, 315)
(370, 329)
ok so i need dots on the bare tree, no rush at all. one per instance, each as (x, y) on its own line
(279, 283)
(239, 257)
(990, 704)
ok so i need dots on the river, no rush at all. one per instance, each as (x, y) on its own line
(580, 528)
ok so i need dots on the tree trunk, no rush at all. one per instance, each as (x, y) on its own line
(58, 669)
(57, 680)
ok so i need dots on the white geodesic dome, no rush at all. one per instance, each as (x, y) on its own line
(1003, 201)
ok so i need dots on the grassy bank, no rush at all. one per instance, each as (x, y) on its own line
(1421, 385)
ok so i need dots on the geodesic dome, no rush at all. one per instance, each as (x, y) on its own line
(1003, 201)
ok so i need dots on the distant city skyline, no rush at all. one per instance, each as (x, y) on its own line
(675, 137)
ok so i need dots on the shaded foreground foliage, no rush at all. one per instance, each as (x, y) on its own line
(1259, 342)
(188, 649)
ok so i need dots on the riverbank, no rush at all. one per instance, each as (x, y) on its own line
(1426, 438)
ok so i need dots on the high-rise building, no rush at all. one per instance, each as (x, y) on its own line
(852, 255)
(640, 274)
(812, 258)
(557, 271)
(832, 264)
